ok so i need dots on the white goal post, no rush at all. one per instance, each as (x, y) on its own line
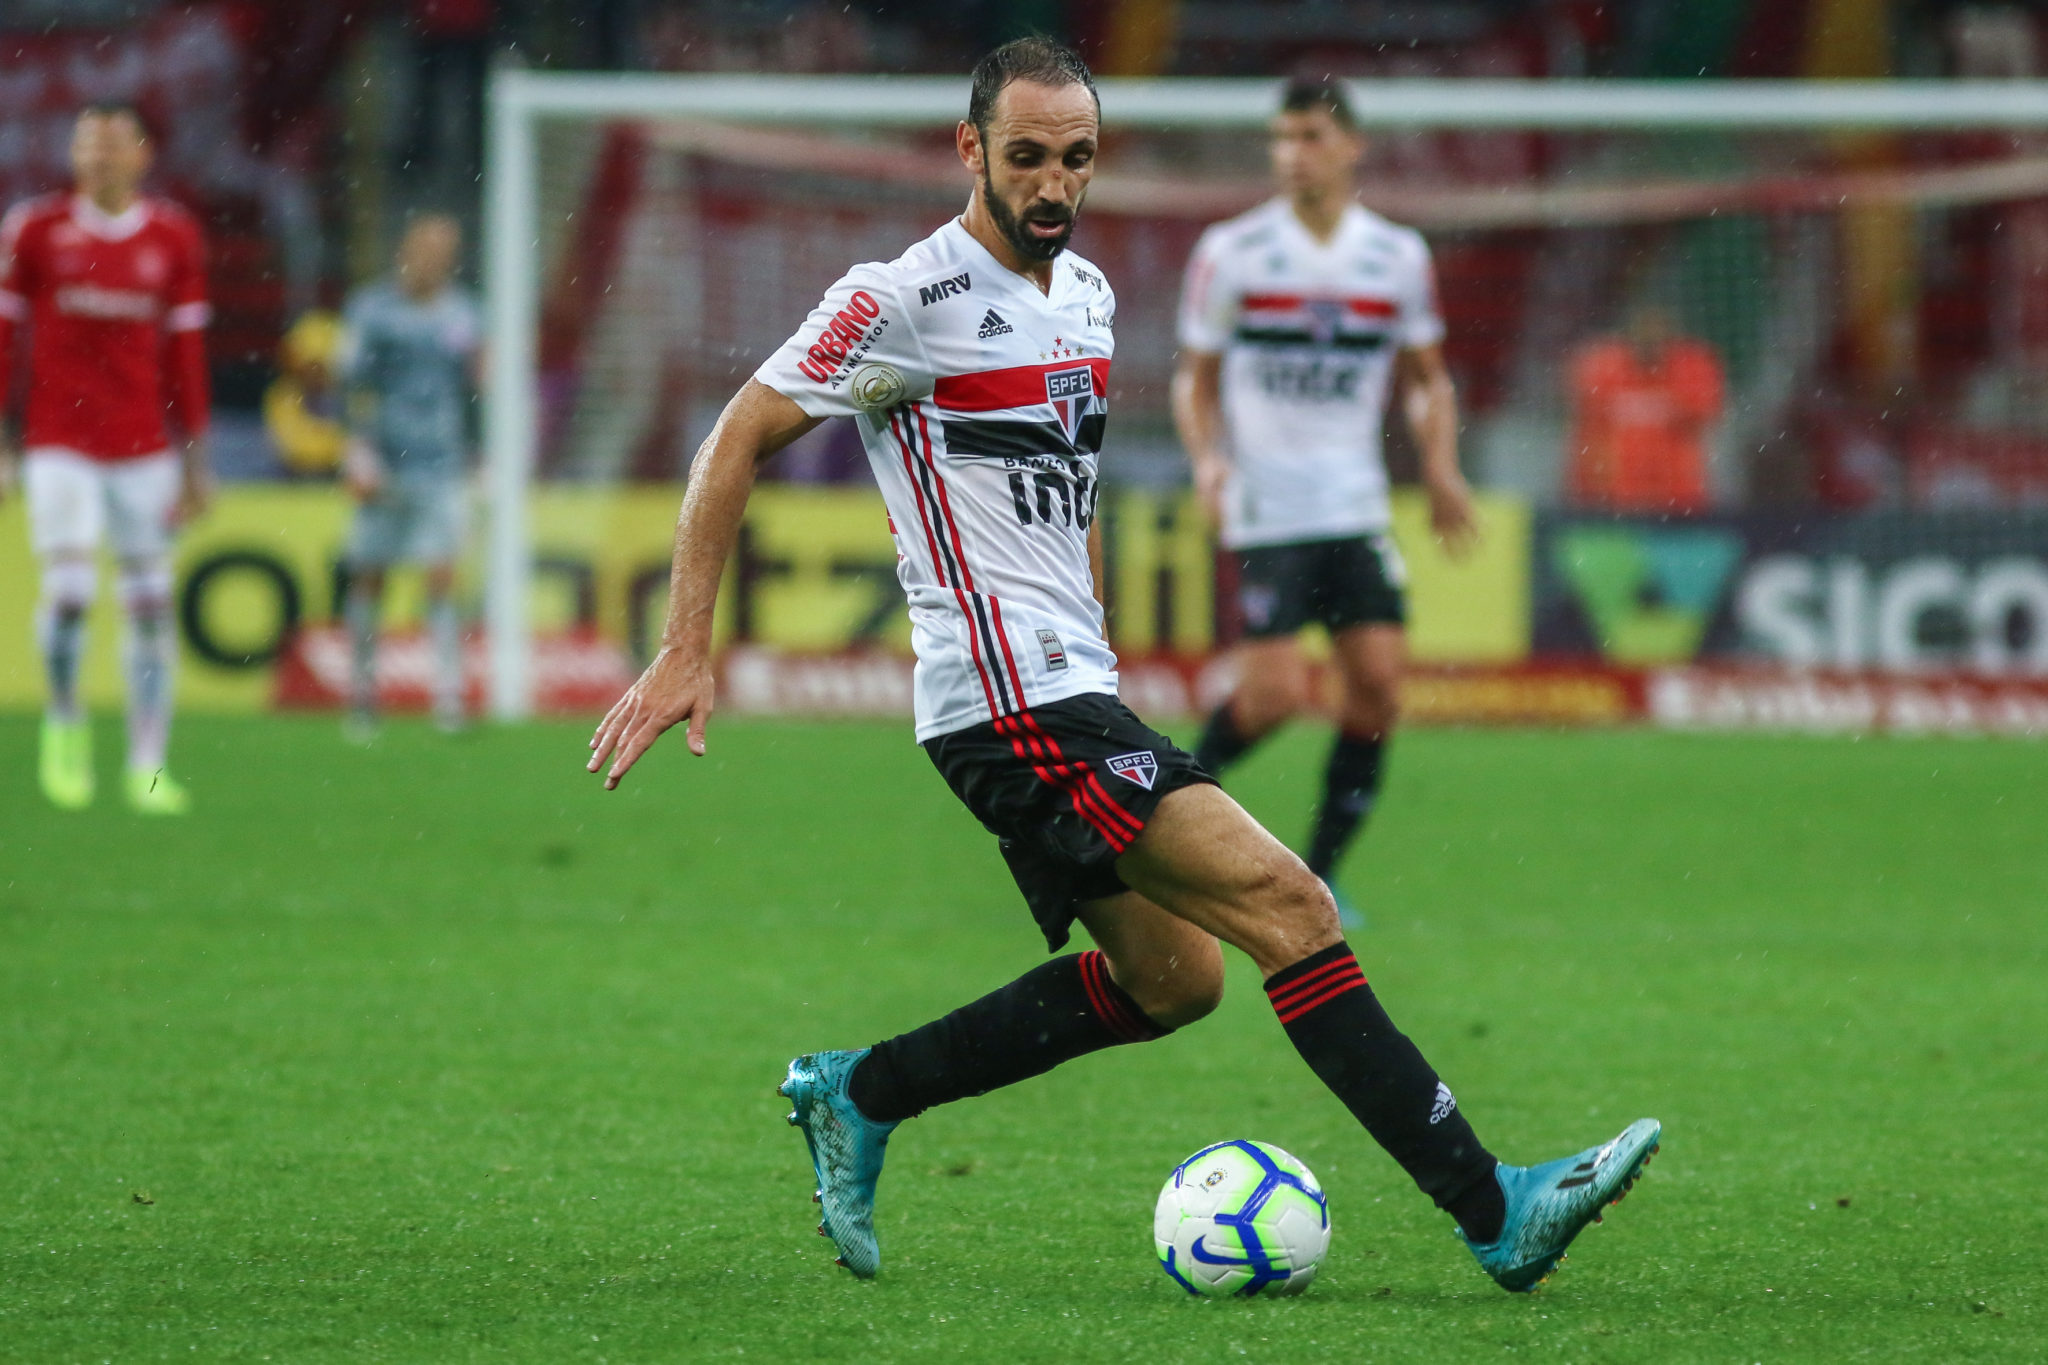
(521, 100)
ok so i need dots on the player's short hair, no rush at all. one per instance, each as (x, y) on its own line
(1034, 58)
(1307, 94)
(120, 109)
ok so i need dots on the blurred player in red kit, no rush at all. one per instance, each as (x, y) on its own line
(111, 286)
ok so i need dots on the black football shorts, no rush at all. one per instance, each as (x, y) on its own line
(1337, 584)
(1065, 787)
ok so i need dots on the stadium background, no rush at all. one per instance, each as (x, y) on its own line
(433, 1050)
(1872, 555)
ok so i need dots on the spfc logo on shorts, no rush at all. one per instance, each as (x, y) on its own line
(1069, 391)
(1140, 768)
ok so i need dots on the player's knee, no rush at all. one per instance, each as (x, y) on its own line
(1299, 914)
(1270, 701)
(1193, 990)
(68, 587)
(146, 590)
(1175, 985)
(1372, 707)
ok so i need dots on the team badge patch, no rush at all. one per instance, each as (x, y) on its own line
(1140, 768)
(1069, 391)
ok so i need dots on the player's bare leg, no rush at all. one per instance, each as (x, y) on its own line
(1272, 688)
(1173, 970)
(151, 649)
(365, 601)
(1205, 860)
(444, 630)
(1367, 661)
(65, 764)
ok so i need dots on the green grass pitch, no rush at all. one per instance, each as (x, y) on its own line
(435, 1052)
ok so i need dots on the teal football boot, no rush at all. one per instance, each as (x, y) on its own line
(1549, 1204)
(846, 1153)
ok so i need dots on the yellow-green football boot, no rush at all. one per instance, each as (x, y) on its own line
(65, 764)
(153, 791)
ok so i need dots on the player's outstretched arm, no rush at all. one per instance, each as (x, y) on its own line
(677, 686)
(1429, 400)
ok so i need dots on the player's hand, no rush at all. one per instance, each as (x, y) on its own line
(362, 472)
(195, 490)
(1212, 476)
(1452, 517)
(675, 687)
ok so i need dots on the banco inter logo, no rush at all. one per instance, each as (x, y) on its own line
(1648, 592)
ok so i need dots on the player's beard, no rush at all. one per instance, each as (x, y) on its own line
(1011, 225)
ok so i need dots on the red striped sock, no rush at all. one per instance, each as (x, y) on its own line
(1057, 1011)
(1337, 1025)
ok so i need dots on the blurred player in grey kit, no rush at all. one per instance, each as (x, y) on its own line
(410, 362)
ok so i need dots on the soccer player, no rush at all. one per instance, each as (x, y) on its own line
(976, 366)
(1295, 320)
(409, 361)
(112, 285)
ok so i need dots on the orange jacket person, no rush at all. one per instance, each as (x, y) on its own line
(1642, 406)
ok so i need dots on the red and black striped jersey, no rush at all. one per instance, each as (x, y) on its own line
(981, 401)
(1307, 330)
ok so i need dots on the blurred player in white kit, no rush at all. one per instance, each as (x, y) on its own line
(111, 286)
(1297, 319)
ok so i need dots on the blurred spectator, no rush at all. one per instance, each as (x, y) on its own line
(302, 406)
(1643, 405)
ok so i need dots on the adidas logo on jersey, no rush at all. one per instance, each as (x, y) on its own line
(994, 326)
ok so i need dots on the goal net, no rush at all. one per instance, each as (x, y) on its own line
(1862, 264)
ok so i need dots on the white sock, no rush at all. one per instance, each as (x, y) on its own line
(361, 613)
(444, 625)
(60, 631)
(152, 647)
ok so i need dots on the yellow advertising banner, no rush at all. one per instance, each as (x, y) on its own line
(814, 571)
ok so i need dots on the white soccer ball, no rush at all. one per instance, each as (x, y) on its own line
(1241, 1218)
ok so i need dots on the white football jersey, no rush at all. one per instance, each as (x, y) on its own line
(981, 402)
(1307, 331)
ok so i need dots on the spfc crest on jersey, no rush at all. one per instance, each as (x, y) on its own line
(1069, 392)
(1323, 317)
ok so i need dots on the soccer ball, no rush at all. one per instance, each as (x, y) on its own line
(1241, 1218)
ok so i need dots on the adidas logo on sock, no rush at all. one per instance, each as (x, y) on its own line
(1445, 1103)
(994, 326)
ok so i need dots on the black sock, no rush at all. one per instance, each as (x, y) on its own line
(1222, 742)
(1060, 1010)
(1335, 1022)
(1351, 783)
